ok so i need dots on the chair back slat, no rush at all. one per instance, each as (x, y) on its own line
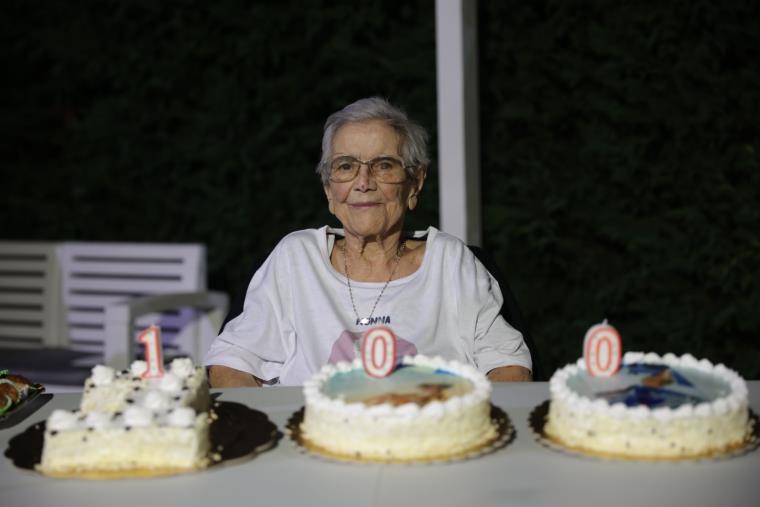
(97, 274)
(22, 282)
(30, 296)
(94, 302)
(112, 267)
(26, 316)
(79, 284)
(23, 300)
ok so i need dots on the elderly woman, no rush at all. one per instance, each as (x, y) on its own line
(320, 289)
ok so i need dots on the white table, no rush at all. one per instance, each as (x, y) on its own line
(523, 473)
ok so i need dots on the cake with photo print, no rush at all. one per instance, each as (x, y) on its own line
(425, 409)
(653, 407)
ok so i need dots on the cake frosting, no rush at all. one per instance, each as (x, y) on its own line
(128, 423)
(428, 408)
(654, 407)
(108, 390)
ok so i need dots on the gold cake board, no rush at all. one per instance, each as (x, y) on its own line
(131, 473)
(537, 423)
(237, 433)
(505, 433)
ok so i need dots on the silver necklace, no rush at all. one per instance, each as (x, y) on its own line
(366, 320)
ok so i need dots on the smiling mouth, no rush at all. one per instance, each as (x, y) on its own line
(364, 204)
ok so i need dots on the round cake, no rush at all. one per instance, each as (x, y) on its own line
(655, 407)
(426, 409)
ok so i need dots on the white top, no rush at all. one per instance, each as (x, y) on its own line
(297, 314)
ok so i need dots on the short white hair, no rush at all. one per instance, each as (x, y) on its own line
(412, 137)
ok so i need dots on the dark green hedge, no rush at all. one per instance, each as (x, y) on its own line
(192, 120)
(619, 143)
(620, 159)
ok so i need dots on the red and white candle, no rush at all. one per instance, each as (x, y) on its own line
(602, 350)
(151, 340)
(378, 351)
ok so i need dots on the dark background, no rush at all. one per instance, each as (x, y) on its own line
(619, 144)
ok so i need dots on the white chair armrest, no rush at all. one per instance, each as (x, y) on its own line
(120, 341)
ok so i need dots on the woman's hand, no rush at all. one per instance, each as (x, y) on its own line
(224, 376)
(510, 374)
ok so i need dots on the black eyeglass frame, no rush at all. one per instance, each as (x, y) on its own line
(369, 164)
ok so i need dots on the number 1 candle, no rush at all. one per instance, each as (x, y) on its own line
(151, 340)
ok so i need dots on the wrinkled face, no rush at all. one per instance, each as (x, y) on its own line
(366, 208)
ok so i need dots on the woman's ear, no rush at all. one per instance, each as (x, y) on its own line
(330, 206)
(419, 181)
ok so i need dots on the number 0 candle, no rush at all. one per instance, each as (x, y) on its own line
(602, 350)
(378, 351)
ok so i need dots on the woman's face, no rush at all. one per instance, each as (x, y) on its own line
(366, 208)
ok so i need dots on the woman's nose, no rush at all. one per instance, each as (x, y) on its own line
(364, 179)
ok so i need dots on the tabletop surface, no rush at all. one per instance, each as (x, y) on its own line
(522, 473)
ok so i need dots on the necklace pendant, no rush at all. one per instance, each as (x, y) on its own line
(364, 321)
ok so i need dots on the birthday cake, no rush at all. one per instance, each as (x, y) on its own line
(426, 409)
(127, 424)
(653, 408)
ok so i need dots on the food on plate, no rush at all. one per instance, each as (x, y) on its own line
(15, 390)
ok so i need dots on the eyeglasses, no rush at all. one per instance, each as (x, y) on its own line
(383, 169)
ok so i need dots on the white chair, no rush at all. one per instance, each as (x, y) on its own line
(101, 293)
(30, 310)
(111, 289)
(124, 319)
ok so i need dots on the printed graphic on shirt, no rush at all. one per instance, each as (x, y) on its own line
(346, 347)
(374, 321)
